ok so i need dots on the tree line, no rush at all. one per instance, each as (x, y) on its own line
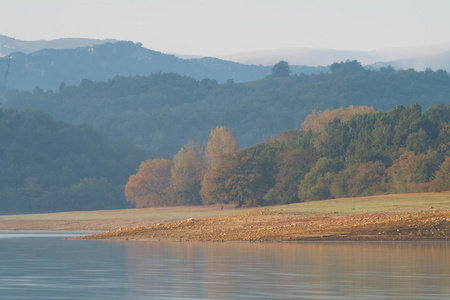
(48, 165)
(163, 111)
(338, 153)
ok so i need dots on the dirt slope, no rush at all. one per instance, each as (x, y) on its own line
(276, 227)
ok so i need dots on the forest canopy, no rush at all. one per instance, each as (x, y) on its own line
(369, 147)
(367, 153)
(48, 165)
(163, 111)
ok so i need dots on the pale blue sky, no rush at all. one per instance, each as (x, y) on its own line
(220, 27)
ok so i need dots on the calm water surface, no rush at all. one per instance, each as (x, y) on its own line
(45, 266)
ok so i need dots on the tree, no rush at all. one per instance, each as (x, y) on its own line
(293, 164)
(359, 180)
(317, 182)
(221, 141)
(186, 174)
(411, 172)
(232, 180)
(441, 178)
(281, 69)
(221, 149)
(242, 180)
(150, 186)
(316, 121)
(349, 66)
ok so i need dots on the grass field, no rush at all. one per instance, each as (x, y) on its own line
(414, 202)
(113, 219)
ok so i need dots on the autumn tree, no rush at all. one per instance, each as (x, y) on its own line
(221, 149)
(150, 186)
(411, 172)
(441, 178)
(292, 164)
(221, 141)
(233, 180)
(186, 174)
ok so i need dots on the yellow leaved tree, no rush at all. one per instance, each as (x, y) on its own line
(221, 148)
(186, 174)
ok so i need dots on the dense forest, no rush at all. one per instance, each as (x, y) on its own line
(282, 139)
(48, 165)
(338, 153)
(161, 112)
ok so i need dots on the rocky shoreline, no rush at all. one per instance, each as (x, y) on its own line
(266, 226)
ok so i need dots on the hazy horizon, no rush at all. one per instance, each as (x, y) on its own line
(220, 28)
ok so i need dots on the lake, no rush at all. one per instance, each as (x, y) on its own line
(39, 265)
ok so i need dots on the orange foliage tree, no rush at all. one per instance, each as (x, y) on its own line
(150, 186)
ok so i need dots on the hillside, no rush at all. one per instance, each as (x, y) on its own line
(49, 165)
(48, 68)
(162, 111)
(9, 45)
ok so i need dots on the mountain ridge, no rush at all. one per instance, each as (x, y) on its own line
(9, 45)
(70, 60)
(48, 68)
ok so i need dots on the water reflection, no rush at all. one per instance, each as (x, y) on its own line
(291, 271)
(46, 266)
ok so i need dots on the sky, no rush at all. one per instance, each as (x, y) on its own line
(221, 27)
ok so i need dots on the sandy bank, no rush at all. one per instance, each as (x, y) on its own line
(112, 219)
(421, 216)
(276, 227)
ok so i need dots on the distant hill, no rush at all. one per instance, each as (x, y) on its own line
(10, 45)
(47, 68)
(418, 58)
(49, 165)
(46, 64)
(435, 62)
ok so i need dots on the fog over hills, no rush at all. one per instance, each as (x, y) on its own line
(47, 68)
(46, 64)
(418, 58)
(421, 63)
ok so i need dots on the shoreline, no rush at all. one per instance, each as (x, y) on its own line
(260, 227)
(406, 217)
